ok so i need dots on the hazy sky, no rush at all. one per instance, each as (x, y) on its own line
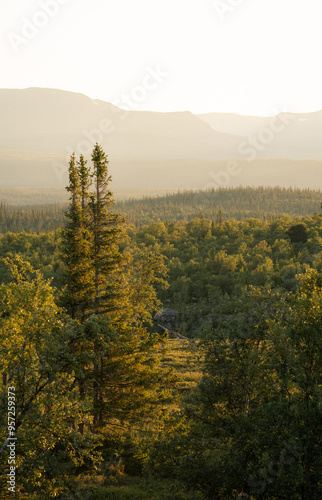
(245, 56)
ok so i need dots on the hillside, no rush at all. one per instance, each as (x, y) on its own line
(300, 138)
(40, 128)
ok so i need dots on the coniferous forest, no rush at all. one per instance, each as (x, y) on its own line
(164, 348)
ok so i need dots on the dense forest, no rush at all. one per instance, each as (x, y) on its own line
(39, 211)
(168, 347)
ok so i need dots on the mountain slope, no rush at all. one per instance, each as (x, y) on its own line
(299, 136)
(57, 121)
(40, 128)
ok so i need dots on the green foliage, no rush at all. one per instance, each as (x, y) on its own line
(259, 402)
(37, 359)
(222, 204)
(89, 377)
(54, 363)
(35, 218)
(113, 300)
(77, 272)
(105, 229)
(140, 489)
(207, 264)
(96, 400)
(298, 233)
(42, 251)
(90, 253)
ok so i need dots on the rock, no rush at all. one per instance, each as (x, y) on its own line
(167, 318)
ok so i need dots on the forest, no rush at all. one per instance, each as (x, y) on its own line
(37, 211)
(162, 348)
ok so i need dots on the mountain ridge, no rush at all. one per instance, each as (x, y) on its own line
(40, 128)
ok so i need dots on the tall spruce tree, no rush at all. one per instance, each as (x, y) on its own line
(112, 298)
(90, 252)
(76, 236)
(106, 257)
(85, 183)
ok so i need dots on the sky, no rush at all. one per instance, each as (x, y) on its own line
(252, 57)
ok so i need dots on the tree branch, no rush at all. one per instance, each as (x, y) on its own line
(178, 336)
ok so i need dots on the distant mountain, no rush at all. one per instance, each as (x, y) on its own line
(299, 136)
(230, 123)
(57, 121)
(40, 128)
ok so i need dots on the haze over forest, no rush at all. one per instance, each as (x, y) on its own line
(40, 128)
(160, 250)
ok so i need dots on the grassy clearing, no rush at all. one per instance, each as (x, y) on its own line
(186, 362)
(134, 488)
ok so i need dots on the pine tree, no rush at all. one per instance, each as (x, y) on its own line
(90, 253)
(85, 183)
(111, 295)
(76, 242)
(106, 257)
(90, 240)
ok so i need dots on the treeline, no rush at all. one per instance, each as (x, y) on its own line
(24, 197)
(35, 219)
(226, 203)
(239, 203)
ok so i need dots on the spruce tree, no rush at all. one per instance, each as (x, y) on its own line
(106, 230)
(111, 295)
(105, 262)
(90, 250)
(71, 240)
(85, 183)
(77, 242)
